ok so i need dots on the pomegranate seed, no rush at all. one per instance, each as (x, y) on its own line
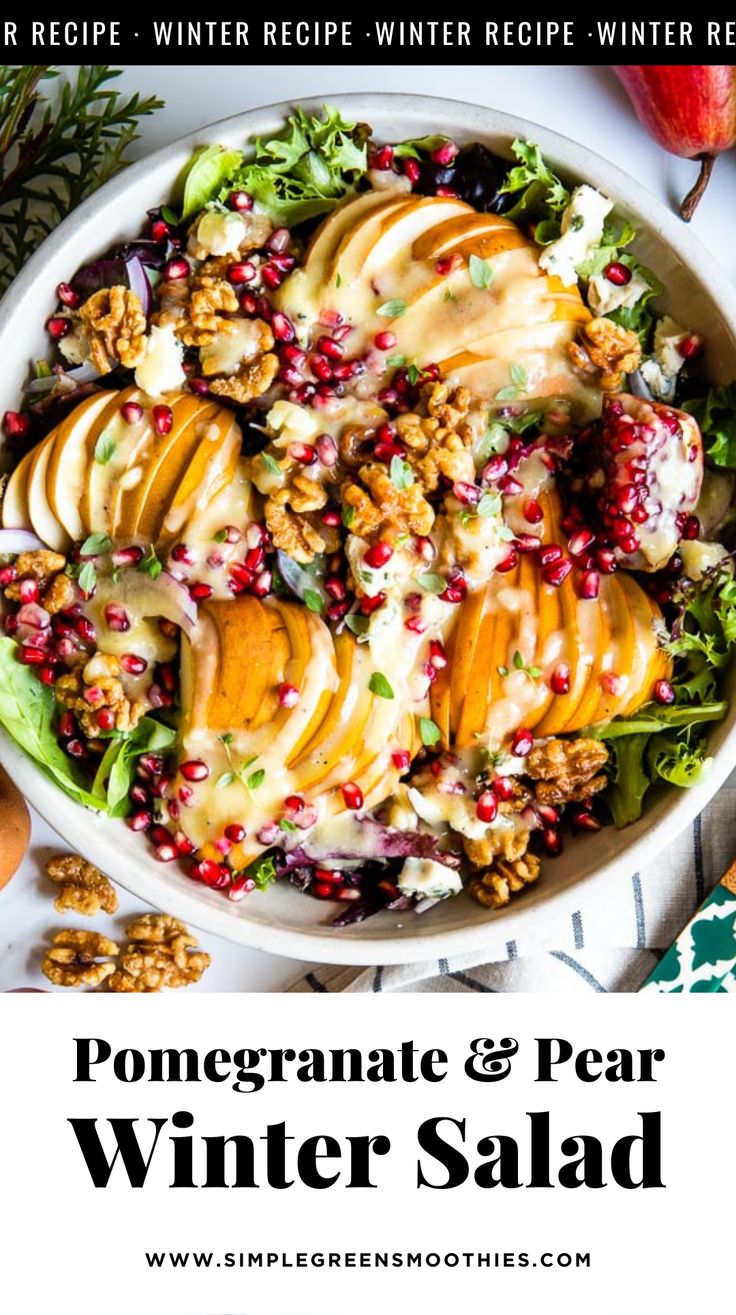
(383, 158)
(163, 418)
(617, 274)
(321, 890)
(67, 726)
(47, 675)
(138, 793)
(239, 889)
(503, 788)
(32, 657)
(235, 833)
(444, 154)
(691, 528)
(321, 368)
(331, 518)
(271, 276)
(352, 795)
(611, 682)
(445, 191)
(303, 453)
(326, 450)
(85, 630)
(288, 695)
(388, 397)
(547, 813)
(279, 240)
(58, 326)
(605, 560)
(486, 808)
(335, 587)
(194, 769)
(167, 676)
(140, 820)
(130, 556)
(159, 230)
(583, 820)
(243, 271)
(200, 592)
(184, 846)
(294, 355)
(105, 719)
(690, 346)
(468, 494)
(184, 795)
(549, 554)
(68, 296)
(248, 303)
(579, 543)
(663, 692)
(378, 555)
(282, 327)
(240, 201)
(223, 845)
(522, 743)
(385, 341)
(411, 170)
(508, 562)
(533, 511)
(336, 611)
(417, 626)
(526, 543)
(370, 603)
(262, 584)
(151, 763)
(176, 269)
(294, 803)
(401, 759)
(254, 558)
(329, 347)
(437, 655)
(555, 573)
(589, 584)
(76, 749)
(181, 553)
(559, 681)
(29, 590)
(495, 469)
(211, 873)
(7, 575)
(552, 841)
(117, 618)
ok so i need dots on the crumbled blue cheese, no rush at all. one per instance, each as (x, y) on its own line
(660, 371)
(161, 370)
(429, 879)
(604, 296)
(582, 231)
(220, 232)
(698, 557)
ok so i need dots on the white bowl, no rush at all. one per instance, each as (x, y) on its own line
(283, 921)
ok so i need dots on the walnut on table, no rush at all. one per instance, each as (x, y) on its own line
(567, 771)
(114, 324)
(506, 877)
(79, 958)
(606, 350)
(160, 953)
(82, 887)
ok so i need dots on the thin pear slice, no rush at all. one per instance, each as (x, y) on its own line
(213, 466)
(146, 461)
(42, 517)
(67, 471)
(15, 512)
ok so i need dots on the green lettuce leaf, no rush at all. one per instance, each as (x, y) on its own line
(306, 169)
(415, 147)
(716, 416)
(538, 193)
(117, 768)
(206, 175)
(27, 711)
(630, 780)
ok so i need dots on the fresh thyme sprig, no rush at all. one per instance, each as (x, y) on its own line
(56, 149)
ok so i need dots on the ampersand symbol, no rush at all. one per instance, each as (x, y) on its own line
(488, 1062)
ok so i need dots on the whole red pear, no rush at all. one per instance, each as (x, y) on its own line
(689, 109)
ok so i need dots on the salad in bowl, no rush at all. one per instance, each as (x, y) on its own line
(367, 525)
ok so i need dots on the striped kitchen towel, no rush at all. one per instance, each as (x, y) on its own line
(611, 943)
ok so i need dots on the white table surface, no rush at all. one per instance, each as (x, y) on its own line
(582, 102)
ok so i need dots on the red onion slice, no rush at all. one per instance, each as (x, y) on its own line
(17, 541)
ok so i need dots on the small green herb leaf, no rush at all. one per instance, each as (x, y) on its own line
(519, 377)
(225, 779)
(402, 475)
(378, 684)
(396, 360)
(286, 825)
(393, 309)
(348, 516)
(434, 584)
(449, 295)
(507, 394)
(87, 578)
(95, 545)
(313, 600)
(338, 280)
(105, 448)
(489, 505)
(150, 565)
(480, 271)
(220, 537)
(256, 778)
(271, 464)
(357, 624)
(429, 731)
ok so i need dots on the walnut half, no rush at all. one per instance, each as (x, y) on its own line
(79, 958)
(82, 887)
(606, 350)
(505, 878)
(115, 325)
(566, 771)
(160, 953)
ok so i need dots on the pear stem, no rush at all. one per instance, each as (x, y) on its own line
(692, 200)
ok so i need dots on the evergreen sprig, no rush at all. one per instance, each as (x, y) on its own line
(56, 148)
